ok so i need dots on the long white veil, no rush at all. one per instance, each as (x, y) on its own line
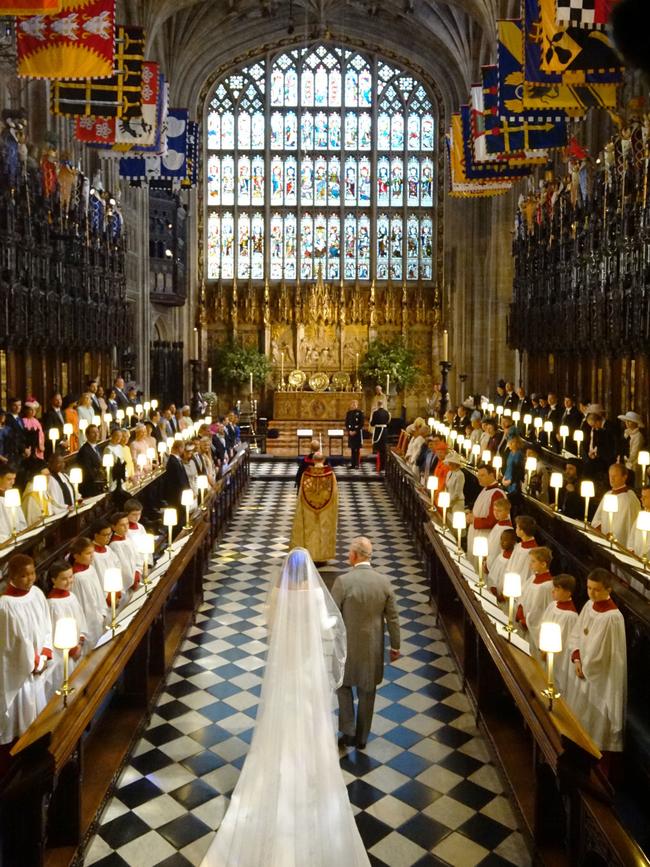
(290, 807)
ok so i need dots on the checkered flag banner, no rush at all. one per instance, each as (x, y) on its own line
(593, 14)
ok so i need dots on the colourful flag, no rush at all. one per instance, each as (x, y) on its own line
(461, 187)
(31, 7)
(192, 177)
(489, 170)
(78, 42)
(477, 117)
(170, 166)
(117, 96)
(584, 13)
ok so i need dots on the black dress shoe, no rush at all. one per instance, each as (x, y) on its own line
(361, 746)
(346, 741)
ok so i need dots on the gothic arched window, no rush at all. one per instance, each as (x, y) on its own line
(320, 159)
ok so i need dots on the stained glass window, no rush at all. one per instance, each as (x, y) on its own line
(320, 160)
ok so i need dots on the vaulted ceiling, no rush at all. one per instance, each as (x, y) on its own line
(193, 39)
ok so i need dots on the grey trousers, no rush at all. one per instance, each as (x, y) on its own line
(365, 706)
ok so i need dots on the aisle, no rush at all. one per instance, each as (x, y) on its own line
(424, 791)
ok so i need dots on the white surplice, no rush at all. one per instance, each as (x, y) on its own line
(566, 615)
(63, 606)
(88, 589)
(619, 523)
(535, 599)
(494, 541)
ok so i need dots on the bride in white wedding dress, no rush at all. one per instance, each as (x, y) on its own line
(290, 807)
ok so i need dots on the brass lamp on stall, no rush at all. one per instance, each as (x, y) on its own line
(108, 462)
(162, 448)
(578, 438)
(154, 404)
(497, 463)
(66, 638)
(486, 457)
(76, 478)
(538, 424)
(432, 487)
(516, 416)
(39, 486)
(610, 508)
(643, 524)
(170, 519)
(97, 420)
(141, 461)
(548, 430)
(119, 417)
(83, 424)
(459, 522)
(68, 430)
(108, 420)
(12, 502)
(530, 467)
(187, 500)
(53, 436)
(444, 501)
(146, 543)
(476, 451)
(512, 591)
(564, 433)
(151, 457)
(129, 414)
(550, 643)
(587, 491)
(480, 550)
(643, 460)
(528, 420)
(557, 480)
(202, 485)
(113, 586)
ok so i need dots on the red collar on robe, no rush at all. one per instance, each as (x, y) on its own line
(116, 538)
(531, 543)
(507, 554)
(566, 606)
(622, 490)
(133, 526)
(491, 487)
(542, 578)
(78, 567)
(504, 524)
(58, 594)
(15, 591)
(605, 605)
(101, 549)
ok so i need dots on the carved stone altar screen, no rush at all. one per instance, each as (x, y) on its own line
(313, 405)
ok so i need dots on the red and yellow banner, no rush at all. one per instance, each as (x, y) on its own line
(76, 43)
(31, 7)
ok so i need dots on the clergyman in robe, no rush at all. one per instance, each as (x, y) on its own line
(317, 507)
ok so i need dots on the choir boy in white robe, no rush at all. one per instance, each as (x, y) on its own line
(62, 603)
(562, 610)
(103, 557)
(597, 689)
(89, 589)
(536, 596)
(502, 563)
(502, 514)
(622, 522)
(635, 539)
(525, 528)
(25, 649)
(10, 519)
(123, 549)
(133, 509)
(481, 518)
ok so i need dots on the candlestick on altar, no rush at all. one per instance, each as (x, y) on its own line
(209, 380)
(445, 345)
(387, 386)
(250, 383)
(282, 371)
(320, 442)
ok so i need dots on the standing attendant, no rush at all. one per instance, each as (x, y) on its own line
(62, 604)
(379, 421)
(481, 518)
(354, 420)
(366, 600)
(620, 523)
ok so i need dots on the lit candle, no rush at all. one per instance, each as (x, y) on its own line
(387, 384)
(445, 345)
(210, 380)
(282, 367)
(250, 380)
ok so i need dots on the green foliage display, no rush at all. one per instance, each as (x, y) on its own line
(233, 364)
(393, 359)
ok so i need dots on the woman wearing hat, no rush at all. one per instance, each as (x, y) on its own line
(34, 431)
(632, 438)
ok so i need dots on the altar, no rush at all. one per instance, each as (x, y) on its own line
(309, 406)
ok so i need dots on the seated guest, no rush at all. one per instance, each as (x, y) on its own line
(71, 416)
(88, 588)
(89, 459)
(189, 462)
(183, 418)
(633, 440)
(34, 436)
(501, 563)
(500, 396)
(525, 528)
(24, 615)
(524, 404)
(124, 549)
(635, 539)
(510, 401)
(570, 503)
(502, 508)
(119, 392)
(619, 523)
(133, 509)
(553, 414)
(536, 596)
(481, 518)
(513, 474)
(477, 430)
(112, 404)
(150, 436)
(562, 610)
(454, 483)
(62, 603)
(599, 447)
(440, 469)
(11, 520)
(597, 688)
(103, 557)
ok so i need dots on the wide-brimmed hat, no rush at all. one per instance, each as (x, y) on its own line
(32, 403)
(632, 416)
(596, 409)
(452, 457)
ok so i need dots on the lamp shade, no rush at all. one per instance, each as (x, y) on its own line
(459, 520)
(113, 580)
(476, 449)
(141, 460)
(108, 460)
(187, 497)
(643, 521)
(480, 546)
(643, 459)
(208, 419)
(12, 498)
(578, 435)
(162, 448)
(528, 419)
(431, 421)
(453, 435)
(512, 585)
(154, 404)
(129, 411)
(119, 415)
(83, 424)
(97, 420)
(53, 434)
(557, 480)
(66, 634)
(548, 427)
(151, 453)
(146, 543)
(76, 475)
(497, 462)
(564, 430)
(108, 418)
(507, 412)
(490, 407)
(444, 499)
(587, 489)
(550, 637)
(68, 430)
(179, 436)
(170, 517)
(610, 503)
(39, 483)
(531, 465)
(516, 415)
(170, 442)
(486, 457)
(499, 410)
(539, 422)
(460, 439)
(147, 405)
(202, 483)
(432, 483)
(138, 408)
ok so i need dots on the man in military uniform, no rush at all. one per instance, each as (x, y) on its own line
(354, 420)
(379, 421)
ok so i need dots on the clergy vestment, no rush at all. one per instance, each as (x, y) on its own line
(520, 560)
(483, 511)
(62, 603)
(89, 591)
(494, 541)
(535, 599)
(25, 645)
(622, 522)
(314, 524)
(566, 615)
(599, 699)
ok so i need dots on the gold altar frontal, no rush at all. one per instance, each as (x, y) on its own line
(308, 406)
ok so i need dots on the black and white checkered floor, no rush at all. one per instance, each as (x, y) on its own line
(424, 792)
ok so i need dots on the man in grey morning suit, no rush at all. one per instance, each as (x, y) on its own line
(366, 599)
